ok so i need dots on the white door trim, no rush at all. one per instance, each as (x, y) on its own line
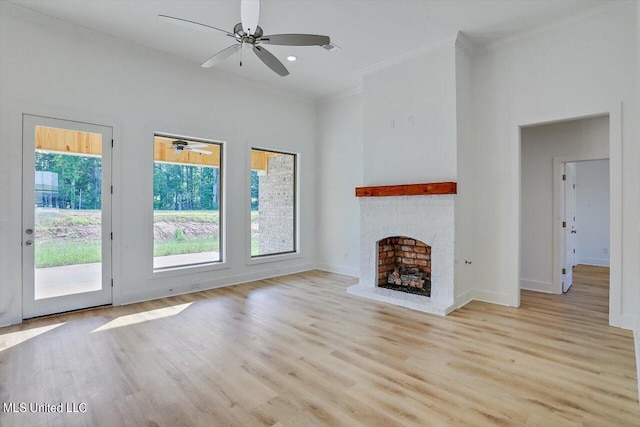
(614, 111)
(558, 211)
(30, 306)
(11, 114)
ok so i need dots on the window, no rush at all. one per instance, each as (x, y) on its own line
(186, 202)
(273, 203)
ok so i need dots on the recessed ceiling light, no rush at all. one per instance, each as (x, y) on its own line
(291, 58)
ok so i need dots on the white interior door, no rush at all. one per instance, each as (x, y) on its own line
(570, 225)
(66, 243)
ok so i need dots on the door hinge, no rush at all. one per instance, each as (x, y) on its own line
(574, 251)
(564, 224)
(564, 177)
(564, 271)
(112, 283)
(112, 143)
(574, 186)
(111, 236)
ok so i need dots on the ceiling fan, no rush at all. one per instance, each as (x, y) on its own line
(181, 146)
(248, 32)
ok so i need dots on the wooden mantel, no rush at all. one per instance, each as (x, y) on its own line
(408, 190)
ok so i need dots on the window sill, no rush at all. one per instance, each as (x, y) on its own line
(273, 258)
(189, 269)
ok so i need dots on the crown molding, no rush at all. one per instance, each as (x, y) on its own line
(398, 59)
(465, 44)
(340, 95)
(554, 25)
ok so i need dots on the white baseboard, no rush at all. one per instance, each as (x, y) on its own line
(152, 294)
(636, 341)
(600, 262)
(339, 269)
(13, 315)
(538, 286)
(500, 298)
(463, 299)
(8, 319)
(623, 321)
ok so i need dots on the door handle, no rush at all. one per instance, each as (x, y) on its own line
(29, 243)
(28, 231)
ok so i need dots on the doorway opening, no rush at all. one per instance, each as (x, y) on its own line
(585, 230)
(565, 204)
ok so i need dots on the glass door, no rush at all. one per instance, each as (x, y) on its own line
(66, 220)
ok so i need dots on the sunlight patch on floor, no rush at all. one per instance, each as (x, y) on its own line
(14, 338)
(145, 316)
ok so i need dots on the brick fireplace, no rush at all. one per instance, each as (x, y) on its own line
(423, 216)
(404, 264)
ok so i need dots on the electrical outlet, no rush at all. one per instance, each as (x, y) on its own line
(605, 251)
(195, 286)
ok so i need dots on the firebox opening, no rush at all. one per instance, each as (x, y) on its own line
(404, 264)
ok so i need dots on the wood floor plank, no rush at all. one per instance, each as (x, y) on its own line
(299, 351)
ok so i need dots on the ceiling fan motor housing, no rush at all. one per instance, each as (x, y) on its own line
(179, 144)
(243, 37)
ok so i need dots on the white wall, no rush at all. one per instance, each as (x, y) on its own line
(415, 118)
(410, 120)
(466, 165)
(339, 165)
(592, 212)
(49, 67)
(576, 68)
(540, 144)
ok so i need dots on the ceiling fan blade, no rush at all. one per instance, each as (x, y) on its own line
(198, 145)
(221, 56)
(270, 61)
(195, 150)
(296, 40)
(191, 24)
(177, 152)
(249, 15)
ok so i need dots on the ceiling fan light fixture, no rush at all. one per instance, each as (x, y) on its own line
(291, 58)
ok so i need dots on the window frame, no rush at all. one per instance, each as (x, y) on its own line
(198, 266)
(277, 256)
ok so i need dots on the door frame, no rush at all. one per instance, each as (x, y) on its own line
(11, 113)
(30, 306)
(558, 210)
(614, 111)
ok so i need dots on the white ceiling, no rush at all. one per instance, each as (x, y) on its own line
(368, 31)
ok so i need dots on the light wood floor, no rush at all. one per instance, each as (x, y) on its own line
(300, 351)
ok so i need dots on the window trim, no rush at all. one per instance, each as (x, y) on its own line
(278, 256)
(201, 266)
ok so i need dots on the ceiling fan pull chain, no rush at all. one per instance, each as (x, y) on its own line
(241, 46)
